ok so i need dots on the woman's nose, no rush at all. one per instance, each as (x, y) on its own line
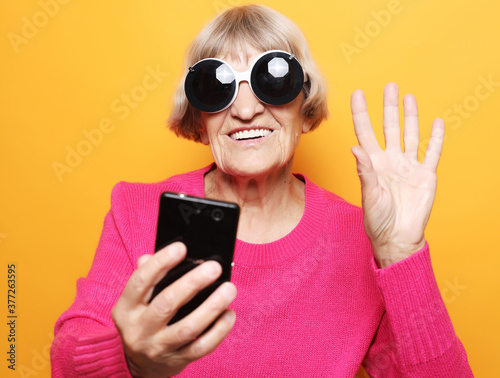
(246, 105)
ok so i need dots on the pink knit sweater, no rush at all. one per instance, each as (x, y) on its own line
(312, 304)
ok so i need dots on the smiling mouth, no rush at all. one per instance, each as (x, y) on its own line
(250, 134)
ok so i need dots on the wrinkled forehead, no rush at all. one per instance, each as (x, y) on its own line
(239, 49)
(243, 56)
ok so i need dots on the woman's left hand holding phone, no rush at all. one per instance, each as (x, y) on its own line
(154, 349)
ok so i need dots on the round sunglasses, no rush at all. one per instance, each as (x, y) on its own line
(275, 77)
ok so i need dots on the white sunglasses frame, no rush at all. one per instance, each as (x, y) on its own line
(240, 76)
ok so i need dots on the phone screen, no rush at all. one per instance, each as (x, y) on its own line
(207, 228)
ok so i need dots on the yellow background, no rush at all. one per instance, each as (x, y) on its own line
(65, 75)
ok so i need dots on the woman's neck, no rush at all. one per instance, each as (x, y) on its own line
(271, 205)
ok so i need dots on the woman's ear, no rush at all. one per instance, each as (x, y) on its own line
(204, 135)
(306, 126)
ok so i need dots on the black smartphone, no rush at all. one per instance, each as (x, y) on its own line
(208, 229)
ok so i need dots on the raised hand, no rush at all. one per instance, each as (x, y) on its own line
(154, 349)
(397, 190)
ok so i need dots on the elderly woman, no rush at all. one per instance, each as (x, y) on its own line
(323, 286)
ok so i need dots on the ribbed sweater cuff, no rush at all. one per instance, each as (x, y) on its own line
(100, 355)
(422, 328)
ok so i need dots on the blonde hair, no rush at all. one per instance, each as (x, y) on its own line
(264, 29)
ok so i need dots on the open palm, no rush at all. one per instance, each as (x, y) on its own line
(397, 190)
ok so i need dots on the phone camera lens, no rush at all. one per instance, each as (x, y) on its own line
(217, 214)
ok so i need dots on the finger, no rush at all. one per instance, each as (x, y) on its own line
(140, 284)
(210, 340)
(392, 131)
(142, 260)
(435, 147)
(366, 173)
(411, 133)
(165, 305)
(196, 323)
(362, 125)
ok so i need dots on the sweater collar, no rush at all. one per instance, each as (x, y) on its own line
(302, 238)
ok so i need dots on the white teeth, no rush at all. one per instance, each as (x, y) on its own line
(248, 134)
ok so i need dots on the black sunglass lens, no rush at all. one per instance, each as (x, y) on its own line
(210, 85)
(277, 78)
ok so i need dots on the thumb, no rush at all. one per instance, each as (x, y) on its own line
(366, 173)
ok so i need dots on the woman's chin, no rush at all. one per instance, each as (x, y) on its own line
(250, 169)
